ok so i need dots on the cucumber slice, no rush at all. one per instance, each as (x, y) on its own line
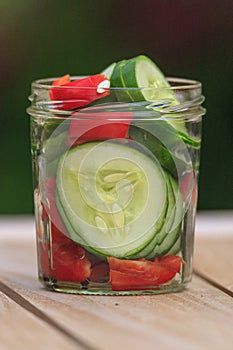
(116, 78)
(171, 230)
(193, 142)
(175, 230)
(113, 196)
(170, 213)
(149, 82)
(159, 236)
(141, 72)
(175, 249)
(109, 70)
(146, 73)
(168, 238)
(70, 229)
(164, 142)
(117, 82)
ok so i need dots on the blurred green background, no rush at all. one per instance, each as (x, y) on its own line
(190, 39)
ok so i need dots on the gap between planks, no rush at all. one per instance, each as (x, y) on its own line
(25, 304)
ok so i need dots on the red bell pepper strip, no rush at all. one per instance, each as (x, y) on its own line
(63, 259)
(61, 81)
(69, 263)
(189, 183)
(80, 92)
(98, 126)
(53, 214)
(142, 274)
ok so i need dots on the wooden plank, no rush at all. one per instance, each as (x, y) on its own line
(201, 317)
(214, 259)
(22, 330)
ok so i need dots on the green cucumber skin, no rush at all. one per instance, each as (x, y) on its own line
(195, 143)
(152, 139)
(174, 231)
(164, 239)
(70, 230)
(155, 81)
(170, 213)
(175, 249)
(117, 81)
(126, 70)
(129, 247)
(148, 140)
(157, 235)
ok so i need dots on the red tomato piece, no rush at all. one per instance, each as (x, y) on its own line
(98, 126)
(80, 92)
(142, 273)
(69, 263)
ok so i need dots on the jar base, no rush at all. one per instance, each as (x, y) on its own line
(105, 289)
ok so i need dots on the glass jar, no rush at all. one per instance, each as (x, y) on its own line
(115, 185)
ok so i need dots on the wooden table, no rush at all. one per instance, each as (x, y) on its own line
(201, 317)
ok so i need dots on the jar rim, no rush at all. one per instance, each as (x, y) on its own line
(176, 83)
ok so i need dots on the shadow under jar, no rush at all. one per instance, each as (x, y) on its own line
(115, 186)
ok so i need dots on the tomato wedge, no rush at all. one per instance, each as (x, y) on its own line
(80, 92)
(142, 274)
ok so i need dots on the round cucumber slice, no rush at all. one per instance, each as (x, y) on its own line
(141, 72)
(175, 249)
(113, 196)
(149, 82)
(172, 224)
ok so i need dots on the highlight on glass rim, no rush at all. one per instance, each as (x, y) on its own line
(115, 161)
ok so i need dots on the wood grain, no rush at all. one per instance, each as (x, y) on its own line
(201, 317)
(22, 330)
(214, 259)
